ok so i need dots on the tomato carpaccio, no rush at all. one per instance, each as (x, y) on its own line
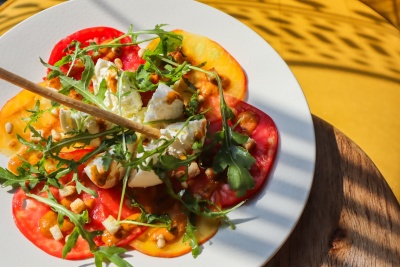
(265, 136)
(28, 214)
(127, 54)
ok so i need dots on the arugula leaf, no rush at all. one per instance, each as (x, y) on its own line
(88, 72)
(80, 86)
(101, 94)
(71, 242)
(8, 178)
(232, 156)
(36, 113)
(111, 254)
(189, 235)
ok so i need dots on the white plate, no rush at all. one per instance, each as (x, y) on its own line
(263, 224)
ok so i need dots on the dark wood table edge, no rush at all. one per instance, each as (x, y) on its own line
(352, 217)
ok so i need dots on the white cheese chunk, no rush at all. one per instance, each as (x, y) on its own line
(56, 232)
(165, 104)
(69, 120)
(141, 178)
(194, 131)
(104, 178)
(130, 102)
(76, 120)
(144, 178)
(111, 225)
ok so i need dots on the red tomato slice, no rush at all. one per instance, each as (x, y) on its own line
(129, 54)
(75, 154)
(266, 138)
(27, 214)
(106, 204)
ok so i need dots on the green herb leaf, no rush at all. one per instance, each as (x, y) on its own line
(111, 254)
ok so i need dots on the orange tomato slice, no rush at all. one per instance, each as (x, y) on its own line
(206, 229)
(15, 111)
(198, 49)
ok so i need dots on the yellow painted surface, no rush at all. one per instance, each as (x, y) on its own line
(345, 56)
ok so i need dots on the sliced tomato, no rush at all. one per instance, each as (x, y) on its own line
(75, 154)
(266, 139)
(107, 204)
(27, 213)
(206, 228)
(128, 55)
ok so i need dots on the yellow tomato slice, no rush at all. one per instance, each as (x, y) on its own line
(206, 229)
(15, 111)
(199, 49)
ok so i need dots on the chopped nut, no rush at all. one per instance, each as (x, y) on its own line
(160, 241)
(55, 135)
(200, 98)
(210, 173)
(193, 169)
(118, 63)
(184, 185)
(179, 174)
(9, 127)
(248, 121)
(250, 144)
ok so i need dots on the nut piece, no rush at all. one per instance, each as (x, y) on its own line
(161, 241)
(9, 127)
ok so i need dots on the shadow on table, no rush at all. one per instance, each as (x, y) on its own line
(351, 218)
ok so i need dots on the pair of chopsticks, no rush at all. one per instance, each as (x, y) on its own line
(78, 105)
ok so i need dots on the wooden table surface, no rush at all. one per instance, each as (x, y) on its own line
(352, 217)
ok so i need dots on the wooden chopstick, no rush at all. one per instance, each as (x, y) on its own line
(78, 105)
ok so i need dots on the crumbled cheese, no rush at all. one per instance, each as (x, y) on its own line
(144, 178)
(104, 178)
(69, 120)
(141, 178)
(56, 232)
(195, 131)
(77, 120)
(165, 104)
(111, 225)
(131, 101)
